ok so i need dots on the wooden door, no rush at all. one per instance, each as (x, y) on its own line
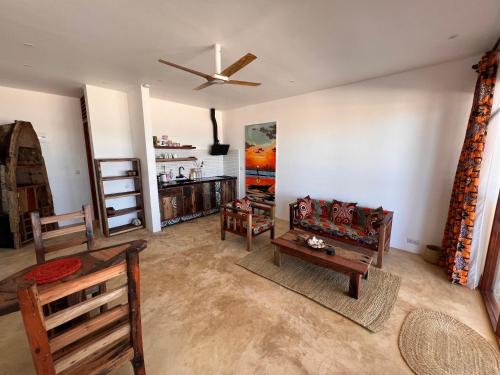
(189, 207)
(228, 191)
(171, 204)
(198, 198)
(209, 196)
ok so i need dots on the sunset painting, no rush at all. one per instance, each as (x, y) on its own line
(260, 161)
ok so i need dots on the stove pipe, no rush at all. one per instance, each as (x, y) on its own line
(217, 148)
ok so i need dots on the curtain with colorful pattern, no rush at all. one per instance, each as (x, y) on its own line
(462, 211)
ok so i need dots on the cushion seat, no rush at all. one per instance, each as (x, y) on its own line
(260, 223)
(353, 232)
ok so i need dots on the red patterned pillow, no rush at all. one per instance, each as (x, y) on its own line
(243, 204)
(373, 221)
(342, 212)
(305, 208)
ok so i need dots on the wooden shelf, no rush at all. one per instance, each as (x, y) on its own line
(122, 194)
(114, 178)
(136, 193)
(171, 160)
(125, 211)
(175, 147)
(123, 229)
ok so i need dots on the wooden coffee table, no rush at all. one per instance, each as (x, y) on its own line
(349, 260)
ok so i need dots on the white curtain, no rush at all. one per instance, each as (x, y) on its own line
(489, 186)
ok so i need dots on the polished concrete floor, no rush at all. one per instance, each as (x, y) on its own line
(202, 314)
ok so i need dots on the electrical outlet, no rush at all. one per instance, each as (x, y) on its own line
(413, 241)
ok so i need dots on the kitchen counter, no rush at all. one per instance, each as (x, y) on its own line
(197, 181)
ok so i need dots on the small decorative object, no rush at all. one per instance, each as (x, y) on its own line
(131, 173)
(155, 140)
(316, 243)
(330, 250)
(137, 222)
(110, 211)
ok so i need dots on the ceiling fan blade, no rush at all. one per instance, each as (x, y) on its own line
(204, 85)
(242, 83)
(238, 65)
(206, 76)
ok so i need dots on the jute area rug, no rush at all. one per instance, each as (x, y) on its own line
(434, 343)
(328, 288)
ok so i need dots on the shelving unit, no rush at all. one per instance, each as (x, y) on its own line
(172, 160)
(103, 196)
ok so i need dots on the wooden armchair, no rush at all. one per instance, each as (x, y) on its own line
(260, 219)
(94, 346)
(39, 236)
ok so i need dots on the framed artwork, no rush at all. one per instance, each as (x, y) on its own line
(260, 161)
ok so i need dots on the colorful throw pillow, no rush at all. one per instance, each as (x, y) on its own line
(243, 204)
(373, 221)
(305, 208)
(341, 212)
(321, 208)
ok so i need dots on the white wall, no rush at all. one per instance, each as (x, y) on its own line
(142, 132)
(109, 122)
(59, 119)
(183, 123)
(392, 141)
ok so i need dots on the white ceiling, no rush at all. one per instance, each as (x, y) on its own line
(315, 43)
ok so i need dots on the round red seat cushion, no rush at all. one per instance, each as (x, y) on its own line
(54, 270)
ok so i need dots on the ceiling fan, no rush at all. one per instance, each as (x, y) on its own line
(220, 77)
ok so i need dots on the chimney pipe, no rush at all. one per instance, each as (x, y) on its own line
(217, 148)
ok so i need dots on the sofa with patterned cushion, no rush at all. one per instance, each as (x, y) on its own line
(239, 215)
(347, 222)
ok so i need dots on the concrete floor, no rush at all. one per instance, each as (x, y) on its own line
(202, 314)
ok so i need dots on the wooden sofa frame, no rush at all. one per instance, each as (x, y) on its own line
(383, 239)
(233, 220)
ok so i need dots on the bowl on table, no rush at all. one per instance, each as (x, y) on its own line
(315, 243)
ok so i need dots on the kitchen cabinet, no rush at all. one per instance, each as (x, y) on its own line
(171, 203)
(189, 200)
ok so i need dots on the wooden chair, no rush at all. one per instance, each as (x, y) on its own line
(238, 221)
(39, 236)
(95, 346)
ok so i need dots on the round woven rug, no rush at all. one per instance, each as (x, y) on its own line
(435, 343)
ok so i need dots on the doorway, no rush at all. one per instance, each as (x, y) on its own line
(490, 281)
